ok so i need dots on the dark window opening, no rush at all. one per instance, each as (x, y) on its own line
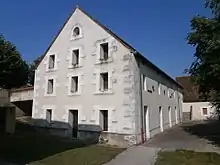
(104, 119)
(76, 31)
(104, 81)
(48, 116)
(104, 51)
(74, 84)
(50, 86)
(75, 57)
(51, 61)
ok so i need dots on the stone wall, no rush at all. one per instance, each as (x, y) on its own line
(4, 96)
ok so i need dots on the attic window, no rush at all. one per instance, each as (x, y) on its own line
(76, 31)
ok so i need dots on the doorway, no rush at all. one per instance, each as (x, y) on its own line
(170, 119)
(73, 123)
(2, 119)
(161, 118)
(146, 122)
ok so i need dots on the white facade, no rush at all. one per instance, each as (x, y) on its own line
(21, 95)
(124, 97)
(200, 110)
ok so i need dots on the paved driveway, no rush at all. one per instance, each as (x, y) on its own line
(198, 136)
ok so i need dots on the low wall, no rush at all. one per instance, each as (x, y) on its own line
(4, 96)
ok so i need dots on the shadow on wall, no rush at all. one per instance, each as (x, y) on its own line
(30, 143)
(23, 108)
(213, 116)
(208, 130)
(70, 130)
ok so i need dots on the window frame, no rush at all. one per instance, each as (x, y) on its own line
(50, 82)
(102, 84)
(97, 78)
(102, 55)
(47, 62)
(47, 78)
(75, 52)
(70, 58)
(76, 84)
(75, 37)
(206, 109)
(78, 92)
(50, 111)
(111, 50)
(159, 88)
(145, 83)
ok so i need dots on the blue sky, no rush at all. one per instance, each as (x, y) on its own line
(156, 28)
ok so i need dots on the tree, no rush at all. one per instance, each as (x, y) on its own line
(33, 67)
(205, 37)
(13, 70)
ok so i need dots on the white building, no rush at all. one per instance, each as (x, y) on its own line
(194, 107)
(91, 83)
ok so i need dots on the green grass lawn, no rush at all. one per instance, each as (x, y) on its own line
(91, 155)
(28, 146)
(182, 157)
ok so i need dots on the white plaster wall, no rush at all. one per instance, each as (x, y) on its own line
(88, 102)
(21, 95)
(197, 110)
(154, 100)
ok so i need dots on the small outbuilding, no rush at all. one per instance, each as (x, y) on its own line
(7, 113)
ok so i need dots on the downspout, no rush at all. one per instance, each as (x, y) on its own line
(141, 106)
(141, 98)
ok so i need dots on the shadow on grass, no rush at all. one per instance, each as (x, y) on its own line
(209, 130)
(28, 145)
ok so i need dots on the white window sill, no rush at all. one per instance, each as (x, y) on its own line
(76, 37)
(74, 94)
(74, 67)
(104, 93)
(51, 70)
(50, 95)
(109, 60)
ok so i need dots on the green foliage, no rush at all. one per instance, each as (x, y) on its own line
(13, 70)
(33, 67)
(205, 37)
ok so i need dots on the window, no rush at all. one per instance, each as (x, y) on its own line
(104, 51)
(191, 108)
(153, 88)
(103, 81)
(51, 61)
(159, 86)
(170, 93)
(104, 120)
(76, 31)
(50, 86)
(48, 116)
(74, 84)
(145, 83)
(204, 111)
(75, 57)
(164, 92)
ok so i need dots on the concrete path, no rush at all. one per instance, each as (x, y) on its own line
(139, 155)
(199, 136)
(190, 136)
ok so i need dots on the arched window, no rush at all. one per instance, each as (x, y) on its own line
(76, 31)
